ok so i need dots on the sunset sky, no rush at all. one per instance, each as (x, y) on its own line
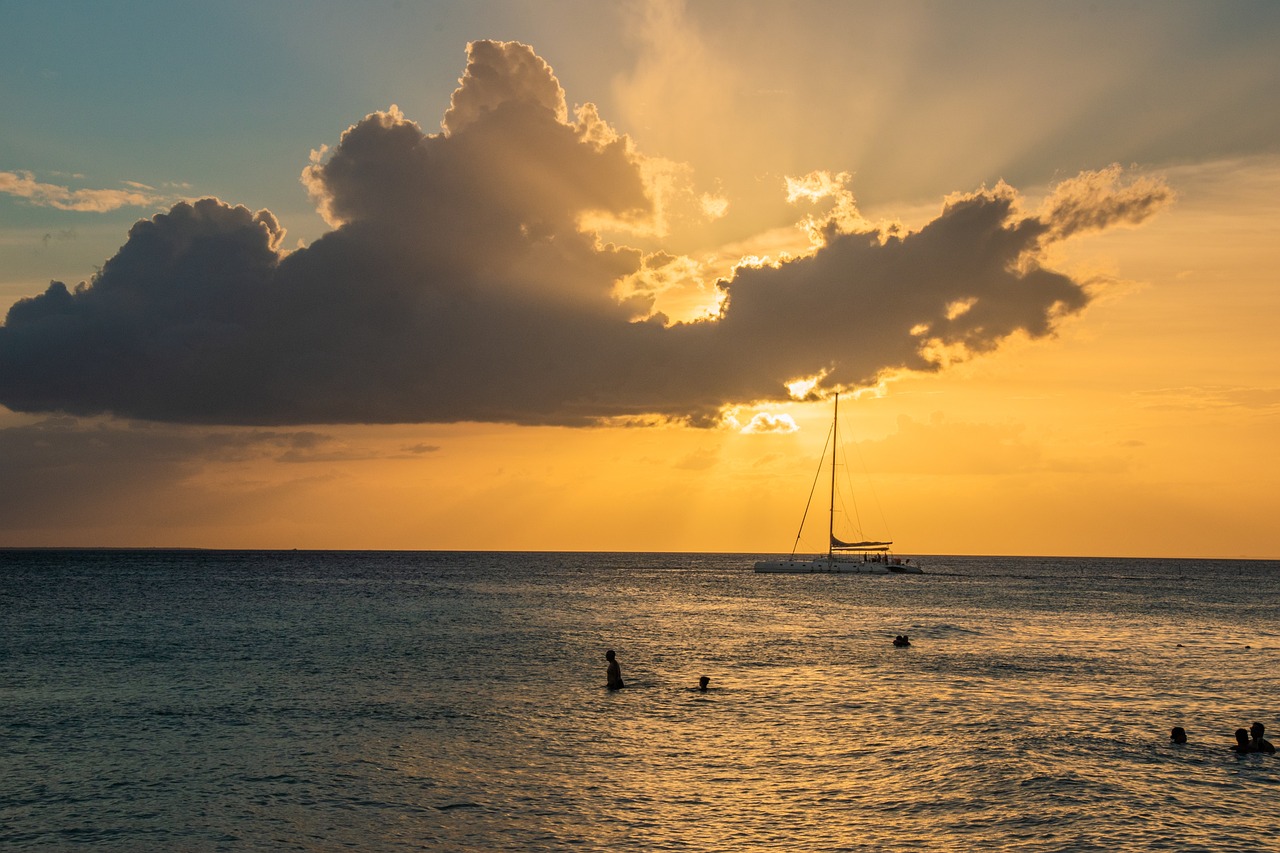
(565, 275)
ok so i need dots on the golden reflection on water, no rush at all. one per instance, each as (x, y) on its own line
(995, 730)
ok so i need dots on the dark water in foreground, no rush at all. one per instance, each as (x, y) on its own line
(203, 701)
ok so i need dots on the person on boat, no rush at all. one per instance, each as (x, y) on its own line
(615, 672)
(1178, 735)
(1257, 742)
(1242, 742)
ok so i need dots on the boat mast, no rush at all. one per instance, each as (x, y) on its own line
(835, 445)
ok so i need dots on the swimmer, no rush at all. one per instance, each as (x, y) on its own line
(615, 672)
(1257, 742)
(902, 641)
(1242, 742)
(703, 682)
(1178, 735)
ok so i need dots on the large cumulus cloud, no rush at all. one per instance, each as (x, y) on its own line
(463, 281)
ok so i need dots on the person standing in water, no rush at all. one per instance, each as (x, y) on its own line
(1257, 742)
(1242, 742)
(615, 672)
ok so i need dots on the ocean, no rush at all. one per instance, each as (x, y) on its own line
(317, 701)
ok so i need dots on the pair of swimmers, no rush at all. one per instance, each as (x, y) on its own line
(615, 681)
(1253, 741)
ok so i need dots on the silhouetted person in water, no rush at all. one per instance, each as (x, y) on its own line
(1242, 741)
(703, 682)
(1258, 743)
(1178, 735)
(615, 672)
(901, 641)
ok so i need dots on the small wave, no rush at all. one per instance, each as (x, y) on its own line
(947, 630)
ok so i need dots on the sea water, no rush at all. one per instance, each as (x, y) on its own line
(315, 701)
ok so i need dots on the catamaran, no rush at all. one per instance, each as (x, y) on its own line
(864, 557)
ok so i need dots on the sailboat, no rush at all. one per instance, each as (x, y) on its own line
(865, 557)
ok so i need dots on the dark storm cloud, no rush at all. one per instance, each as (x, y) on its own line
(460, 283)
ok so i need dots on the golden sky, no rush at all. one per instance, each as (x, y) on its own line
(555, 300)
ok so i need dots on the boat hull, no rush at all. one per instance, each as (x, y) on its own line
(835, 567)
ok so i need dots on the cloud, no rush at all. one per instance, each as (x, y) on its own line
(422, 448)
(96, 472)
(500, 73)
(24, 185)
(62, 234)
(467, 279)
(763, 422)
(699, 460)
(1097, 200)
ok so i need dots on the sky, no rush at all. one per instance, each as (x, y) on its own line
(567, 275)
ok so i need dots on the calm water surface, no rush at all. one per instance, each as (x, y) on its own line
(311, 701)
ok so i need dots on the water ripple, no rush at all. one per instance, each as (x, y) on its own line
(216, 701)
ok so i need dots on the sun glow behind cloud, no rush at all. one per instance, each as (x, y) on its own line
(445, 243)
(666, 305)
